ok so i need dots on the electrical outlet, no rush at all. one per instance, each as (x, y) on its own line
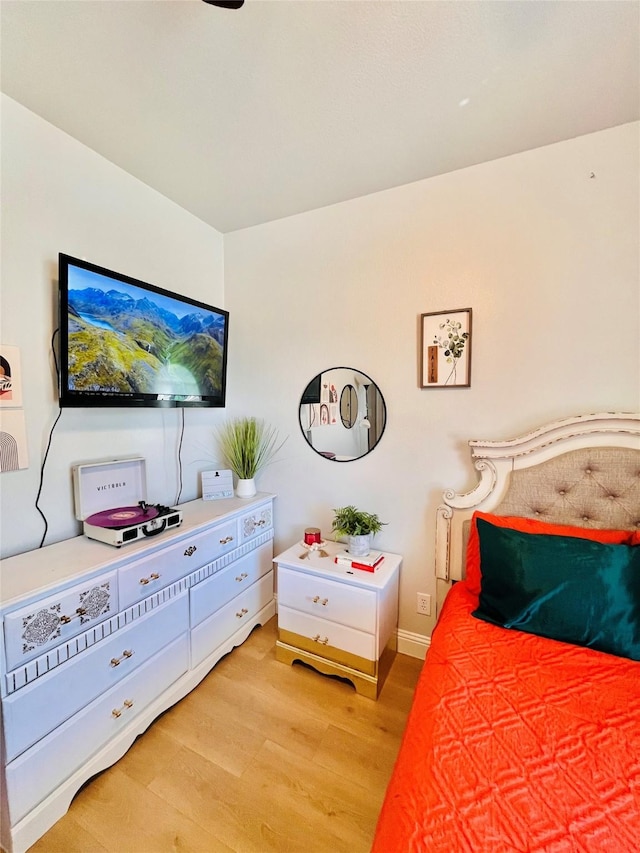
(424, 604)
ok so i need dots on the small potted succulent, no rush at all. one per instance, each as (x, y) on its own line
(358, 527)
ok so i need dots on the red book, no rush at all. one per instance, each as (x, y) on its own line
(354, 564)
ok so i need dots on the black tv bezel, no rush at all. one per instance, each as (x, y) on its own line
(69, 398)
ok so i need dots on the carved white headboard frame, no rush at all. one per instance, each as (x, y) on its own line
(597, 485)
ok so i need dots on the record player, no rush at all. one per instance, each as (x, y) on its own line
(110, 500)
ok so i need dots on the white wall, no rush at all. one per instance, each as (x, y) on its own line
(58, 195)
(544, 253)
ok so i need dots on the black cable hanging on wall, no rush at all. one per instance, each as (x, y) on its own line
(180, 459)
(46, 453)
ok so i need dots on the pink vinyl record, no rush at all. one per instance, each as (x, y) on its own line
(122, 516)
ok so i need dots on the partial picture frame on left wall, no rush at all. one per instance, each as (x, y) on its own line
(10, 377)
(13, 440)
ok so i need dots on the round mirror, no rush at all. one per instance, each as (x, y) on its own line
(342, 414)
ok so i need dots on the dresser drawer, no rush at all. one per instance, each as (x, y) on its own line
(137, 580)
(37, 772)
(328, 639)
(216, 591)
(256, 522)
(35, 710)
(211, 633)
(348, 605)
(33, 630)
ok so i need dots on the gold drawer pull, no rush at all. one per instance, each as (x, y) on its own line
(117, 712)
(226, 540)
(241, 577)
(242, 613)
(152, 577)
(317, 639)
(317, 600)
(127, 653)
(79, 612)
(191, 550)
(260, 523)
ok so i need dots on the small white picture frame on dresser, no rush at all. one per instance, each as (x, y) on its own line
(217, 485)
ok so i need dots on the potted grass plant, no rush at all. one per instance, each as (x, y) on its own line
(358, 527)
(247, 445)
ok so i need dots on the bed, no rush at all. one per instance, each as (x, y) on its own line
(524, 733)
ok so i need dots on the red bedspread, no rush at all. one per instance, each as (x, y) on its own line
(515, 743)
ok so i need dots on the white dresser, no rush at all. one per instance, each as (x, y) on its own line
(97, 641)
(340, 620)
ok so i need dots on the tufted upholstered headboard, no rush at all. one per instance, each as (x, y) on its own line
(583, 471)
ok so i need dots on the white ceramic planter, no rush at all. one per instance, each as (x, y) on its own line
(246, 488)
(359, 546)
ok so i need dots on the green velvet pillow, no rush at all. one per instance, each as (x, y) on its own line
(569, 589)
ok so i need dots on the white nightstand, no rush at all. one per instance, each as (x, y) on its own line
(339, 620)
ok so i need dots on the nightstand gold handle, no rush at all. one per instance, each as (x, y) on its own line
(117, 712)
(154, 576)
(242, 613)
(226, 540)
(241, 577)
(317, 639)
(323, 601)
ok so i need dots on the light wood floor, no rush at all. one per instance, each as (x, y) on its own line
(260, 757)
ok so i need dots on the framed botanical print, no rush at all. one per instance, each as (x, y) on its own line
(445, 349)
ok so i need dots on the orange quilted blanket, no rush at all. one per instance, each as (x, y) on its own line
(515, 743)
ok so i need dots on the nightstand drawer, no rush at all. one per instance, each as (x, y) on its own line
(348, 605)
(328, 639)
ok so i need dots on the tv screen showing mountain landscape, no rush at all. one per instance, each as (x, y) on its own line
(132, 340)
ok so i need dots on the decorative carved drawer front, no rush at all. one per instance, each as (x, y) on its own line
(40, 626)
(168, 565)
(240, 612)
(330, 640)
(32, 776)
(35, 710)
(255, 522)
(339, 602)
(216, 591)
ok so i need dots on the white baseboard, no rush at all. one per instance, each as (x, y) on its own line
(414, 645)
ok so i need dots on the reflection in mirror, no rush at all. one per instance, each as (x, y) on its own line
(342, 414)
(348, 406)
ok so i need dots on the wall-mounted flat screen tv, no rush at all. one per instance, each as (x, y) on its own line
(127, 343)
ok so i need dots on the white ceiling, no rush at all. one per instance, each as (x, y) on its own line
(246, 116)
